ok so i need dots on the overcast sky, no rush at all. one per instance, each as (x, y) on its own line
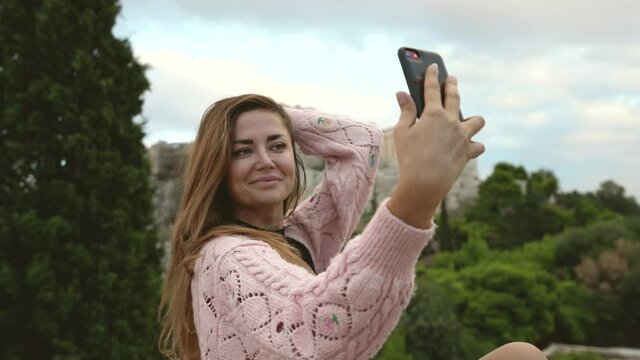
(558, 82)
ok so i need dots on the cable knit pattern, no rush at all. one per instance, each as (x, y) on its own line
(251, 304)
(351, 151)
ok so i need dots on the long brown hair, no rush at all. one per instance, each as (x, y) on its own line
(206, 212)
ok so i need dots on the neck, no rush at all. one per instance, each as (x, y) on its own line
(268, 220)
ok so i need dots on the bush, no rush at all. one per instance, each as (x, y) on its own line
(585, 355)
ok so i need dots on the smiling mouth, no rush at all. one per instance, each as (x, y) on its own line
(265, 180)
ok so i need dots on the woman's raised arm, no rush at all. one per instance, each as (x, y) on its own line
(351, 151)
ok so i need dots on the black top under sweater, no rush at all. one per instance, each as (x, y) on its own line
(304, 252)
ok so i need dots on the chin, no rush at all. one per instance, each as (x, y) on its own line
(263, 198)
(271, 199)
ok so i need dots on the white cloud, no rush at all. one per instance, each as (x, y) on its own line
(498, 20)
(186, 85)
(601, 138)
(537, 119)
(609, 128)
(558, 82)
(504, 142)
(510, 101)
(611, 114)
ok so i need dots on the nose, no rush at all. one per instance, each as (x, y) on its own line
(263, 160)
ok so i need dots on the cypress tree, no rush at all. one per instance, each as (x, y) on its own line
(79, 261)
(444, 230)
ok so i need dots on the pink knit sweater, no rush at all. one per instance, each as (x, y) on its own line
(251, 304)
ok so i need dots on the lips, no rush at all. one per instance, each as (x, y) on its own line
(264, 179)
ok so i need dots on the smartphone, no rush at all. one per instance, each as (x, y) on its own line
(414, 63)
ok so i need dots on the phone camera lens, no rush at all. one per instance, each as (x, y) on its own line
(412, 54)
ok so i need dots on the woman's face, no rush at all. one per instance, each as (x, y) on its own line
(262, 171)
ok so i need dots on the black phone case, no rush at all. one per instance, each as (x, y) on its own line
(414, 70)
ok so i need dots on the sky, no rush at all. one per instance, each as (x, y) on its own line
(558, 82)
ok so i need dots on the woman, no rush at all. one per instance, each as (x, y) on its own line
(252, 276)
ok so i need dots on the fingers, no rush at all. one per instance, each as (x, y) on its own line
(432, 95)
(407, 110)
(407, 117)
(473, 125)
(452, 96)
(475, 149)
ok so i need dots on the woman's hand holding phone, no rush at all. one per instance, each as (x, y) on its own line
(432, 150)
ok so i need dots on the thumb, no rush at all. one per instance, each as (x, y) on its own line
(407, 110)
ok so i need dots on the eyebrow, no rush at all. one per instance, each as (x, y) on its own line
(250, 141)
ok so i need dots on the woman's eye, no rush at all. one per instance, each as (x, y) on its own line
(279, 146)
(242, 152)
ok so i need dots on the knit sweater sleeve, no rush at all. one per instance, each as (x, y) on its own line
(351, 151)
(249, 303)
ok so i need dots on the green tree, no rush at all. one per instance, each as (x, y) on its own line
(629, 295)
(500, 198)
(395, 348)
(604, 258)
(542, 185)
(443, 232)
(586, 355)
(501, 193)
(633, 225)
(574, 316)
(496, 303)
(612, 196)
(432, 330)
(576, 243)
(540, 215)
(584, 208)
(508, 302)
(79, 263)
(519, 207)
(473, 251)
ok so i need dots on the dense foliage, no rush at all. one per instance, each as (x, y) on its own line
(579, 356)
(79, 263)
(529, 263)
